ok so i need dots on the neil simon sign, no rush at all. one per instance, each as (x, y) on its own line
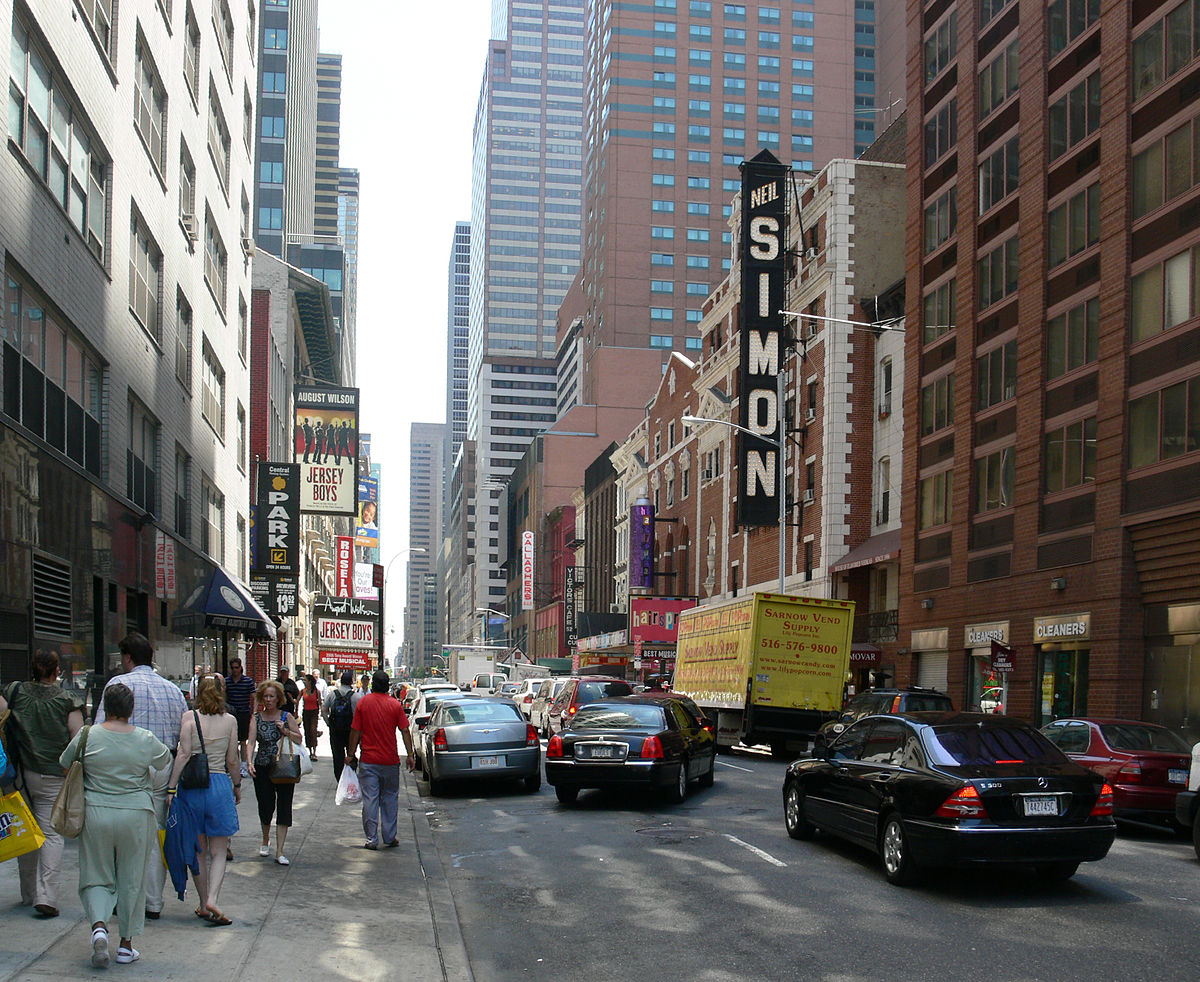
(764, 284)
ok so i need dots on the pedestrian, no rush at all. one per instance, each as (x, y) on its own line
(239, 691)
(377, 717)
(364, 683)
(274, 800)
(119, 839)
(310, 702)
(192, 685)
(208, 729)
(322, 685)
(291, 692)
(47, 717)
(338, 711)
(158, 707)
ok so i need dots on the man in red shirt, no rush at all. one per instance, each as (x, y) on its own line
(377, 717)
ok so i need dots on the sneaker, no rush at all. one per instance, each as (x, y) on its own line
(391, 845)
(46, 910)
(153, 915)
(264, 850)
(127, 955)
(282, 860)
(371, 845)
(100, 948)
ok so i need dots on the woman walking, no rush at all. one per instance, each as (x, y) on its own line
(310, 700)
(212, 731)
(48, 717)
(119, 828)
(274, 800)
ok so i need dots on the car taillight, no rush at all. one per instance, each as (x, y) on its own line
(571, 709)
(531, 736)
(964, 803)
(1131, 773)
(439, 739)
(528, 698)
(554, 747)
(1103, 805)
(896, 705)
(652, 749)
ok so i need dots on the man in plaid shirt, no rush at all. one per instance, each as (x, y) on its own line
(158, 706)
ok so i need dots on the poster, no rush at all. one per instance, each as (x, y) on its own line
(366, 532)
(277, 520)
(326, 448)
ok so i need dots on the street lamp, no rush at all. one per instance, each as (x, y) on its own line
(781, 483)
(381, 653)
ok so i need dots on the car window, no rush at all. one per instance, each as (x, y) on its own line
(882, 746)
(911, 755)
(1132, 737)
(850, 742)
(927, 703)
(967, 745)
(543, 690)
(591, 691)
(632, 716)
(861, 703)
(1074, 738)
(481, 712)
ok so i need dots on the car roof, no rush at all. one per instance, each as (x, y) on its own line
(597, 678)
(951, 717)
(1106, 721)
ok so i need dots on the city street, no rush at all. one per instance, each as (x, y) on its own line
(621, 887)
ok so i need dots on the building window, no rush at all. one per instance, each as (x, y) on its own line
(223, 24)
(243, 327)
(941, 220)
(940, 46)
(685, 482)
(218, 138)
(998, 273)
(996, 375)
(142, 457)
(1166, 47)
(935, 494)
(216, 261)
(941, 132)
(999, 174)
(1165, 424)
(1072, 339)
(145, 278)
(994, 478)
(187, 190)
(1166, 169)
(248, 122)
(149, 105)
(1074, 225)
(213, 521)
(998, 80)
(1163, 296)
(1067, 19)
(885, 387)
(191, 54)
(212, 390)
(940, 308)
(183, 341)
(1070, 455)
(183, 466)
(275, 38)
(937, 405)
(988, 9)
(241, 437)
(1075, 116)
(885, 491)
(661, 341)
(241, 546)
(99, 17)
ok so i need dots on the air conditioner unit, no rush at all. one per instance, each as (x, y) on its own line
(810, 253)
(807, 496)
(810, 415)
(247, 245)
(811, 330)
(706, 475)
(614, 607)
(188, 221)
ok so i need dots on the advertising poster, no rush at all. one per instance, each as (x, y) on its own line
(364, 586)
(655, 620)
(346, 659)
(350, 634)
(326, 448)
(366, 532)
(277, 519)
(641, 547)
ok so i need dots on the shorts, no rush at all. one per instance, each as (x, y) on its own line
(243, 725)
(213, 808)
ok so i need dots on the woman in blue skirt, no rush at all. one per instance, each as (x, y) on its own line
(210, 730)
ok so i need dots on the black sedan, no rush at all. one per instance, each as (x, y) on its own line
(633, 741)
(952, 789)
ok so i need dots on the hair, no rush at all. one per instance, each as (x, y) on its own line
(271, 684)
(138, 648)
(236, 661)
(347, 677)
(380, 681)
(118, 700)
(210, 695)
(310, 682)
(44, 664)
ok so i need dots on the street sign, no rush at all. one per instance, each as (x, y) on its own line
(1002, 658)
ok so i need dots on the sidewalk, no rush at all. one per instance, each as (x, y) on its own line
(338, 912)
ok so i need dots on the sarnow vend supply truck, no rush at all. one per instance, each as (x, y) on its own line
(768, 668)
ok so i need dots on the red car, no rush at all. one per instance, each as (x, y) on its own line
(1146, 764)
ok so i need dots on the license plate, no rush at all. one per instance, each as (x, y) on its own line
(608, 752)
(489, 761)
(1177, 775)
(1041, 804)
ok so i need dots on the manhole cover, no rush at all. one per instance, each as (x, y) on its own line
(674, 835)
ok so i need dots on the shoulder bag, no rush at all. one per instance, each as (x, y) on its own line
(66, 818)
(195, 771)
(287, 764)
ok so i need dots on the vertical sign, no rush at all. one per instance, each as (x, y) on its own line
(764, 282)
(641, 547)
(344, 565)
(572, 588)
(164, 565)
(277, 519)
(326, 447)
(527, 571)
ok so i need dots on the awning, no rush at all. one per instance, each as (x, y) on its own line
(877, 549)
(221, 602)
(865, 654)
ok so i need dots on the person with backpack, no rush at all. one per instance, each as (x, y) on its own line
(338, 713)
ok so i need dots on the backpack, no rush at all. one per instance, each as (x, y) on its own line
(10, 759)
(341, 713)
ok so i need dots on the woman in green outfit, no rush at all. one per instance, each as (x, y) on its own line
(119, 829)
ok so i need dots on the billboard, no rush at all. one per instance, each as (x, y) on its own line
(764, 286)
(655, 620)
(366, 531)
(641, 547)
(277, 519)
(527, 571)
(353, 635)
(326, 448)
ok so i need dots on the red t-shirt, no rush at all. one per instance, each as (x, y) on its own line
(377, 717)
(312, 700)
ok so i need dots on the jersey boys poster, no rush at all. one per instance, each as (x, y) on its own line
(326, 446)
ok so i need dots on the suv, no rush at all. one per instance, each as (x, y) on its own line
(579, 692)
(914, 699)
(488, 681)
(543, 699)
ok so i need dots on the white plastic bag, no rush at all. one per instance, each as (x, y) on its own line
(348, 789)
(305, 759)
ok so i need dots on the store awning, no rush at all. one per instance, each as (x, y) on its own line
(223, 603)
(864, 654)
(877, 549)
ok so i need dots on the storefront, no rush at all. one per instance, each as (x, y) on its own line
(931, 651)
(1171, 686)
(987, 687)
(1062, 646)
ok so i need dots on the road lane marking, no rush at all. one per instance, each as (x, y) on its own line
(724, 763)
(754, 849)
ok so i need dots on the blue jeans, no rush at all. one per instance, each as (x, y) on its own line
(380, 800)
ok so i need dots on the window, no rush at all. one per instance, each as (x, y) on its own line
(216, 261)
(664, 102)
(213, 520)
(191, 53)
(699, 157)
(697, 235)
(149, 105)
(999, 174)
(660, 341)
(1075, 116)
(733, 134)
(183, 466)
(699, 55)
(700, 82)
(994, 477)
(661, 259)
(885, 491)
(941, 132)
(243, 327)
(187, 187)
(55, 138)
(663, 153)
(1166, 47)
(768, 39)
(768, 90)
(1067, 19)
(663, 51)
(940, 311)
(661, 313)
(802, 93)
(662, 286)
(662, 232)
(145, 277)
(940, 46)
(996, 375)
(1164, 296)
(699, 133)
(1070, 455)
(141, 463)
(275, 38)
(99, 17)
(218, 138)
(1074, 225)
(664, 129)
(1165, 424)
(698, 208)
(735, 62)
(988, 9)
(661, 205)
(998, 273)
(223, 24)
(998, 80)
(1166, 169)
(935, 494)
(768, 63)
(241, 437)
(248, 122)
(937, 405)
(700, 32)
(697, 262)
(272, 127)
(183, 341)
(1072, 339)
(734, 109)
(212, 390)
(941, 219)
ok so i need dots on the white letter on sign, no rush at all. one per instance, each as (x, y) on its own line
(764, 233)
(760, 470)
(764, 354)
(760, 398)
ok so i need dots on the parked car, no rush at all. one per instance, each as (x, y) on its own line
(1146, 764)
(525, 694)
(412, 696)
(641, 741)
(508, 689)
(480, 738)
(579, 692)
(951, 789)
(914, 699)
(422, 711)
(539, 709)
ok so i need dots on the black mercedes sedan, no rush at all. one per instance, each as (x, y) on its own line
(951, 789)
(632, 741)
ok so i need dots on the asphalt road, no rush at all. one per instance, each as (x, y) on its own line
(623, 887)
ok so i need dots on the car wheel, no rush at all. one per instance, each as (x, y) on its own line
(1057, 872)
(436, 786)
(566, 794)
(533, 783)
(678, 791)
(798, 827)
(898, 865)
(706, 779)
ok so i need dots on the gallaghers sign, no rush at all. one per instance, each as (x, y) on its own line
(764, 284)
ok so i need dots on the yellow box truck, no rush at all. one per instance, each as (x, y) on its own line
(766, 668)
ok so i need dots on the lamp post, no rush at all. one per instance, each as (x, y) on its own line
(781, 482)
(381, 653)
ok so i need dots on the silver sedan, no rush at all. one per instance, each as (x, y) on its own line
(480, 739)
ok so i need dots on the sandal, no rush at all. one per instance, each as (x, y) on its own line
(217, 919)
(100, 956)
(202, 913)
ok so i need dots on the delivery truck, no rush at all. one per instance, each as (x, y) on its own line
(766, 668)
(464, 662)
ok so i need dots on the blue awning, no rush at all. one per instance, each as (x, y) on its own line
(223, 603)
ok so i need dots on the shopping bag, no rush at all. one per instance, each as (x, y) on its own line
(19, 832)
(287, 764)
(305, 759)
(348, 789)
(67, 815)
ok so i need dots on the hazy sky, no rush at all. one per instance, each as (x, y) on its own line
(411, 73)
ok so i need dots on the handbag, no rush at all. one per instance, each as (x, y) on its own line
(19, 831)
(195, 771)
(287, 765)
(66, 818)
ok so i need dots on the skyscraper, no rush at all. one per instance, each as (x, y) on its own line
(427, 447)
(457, 330)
